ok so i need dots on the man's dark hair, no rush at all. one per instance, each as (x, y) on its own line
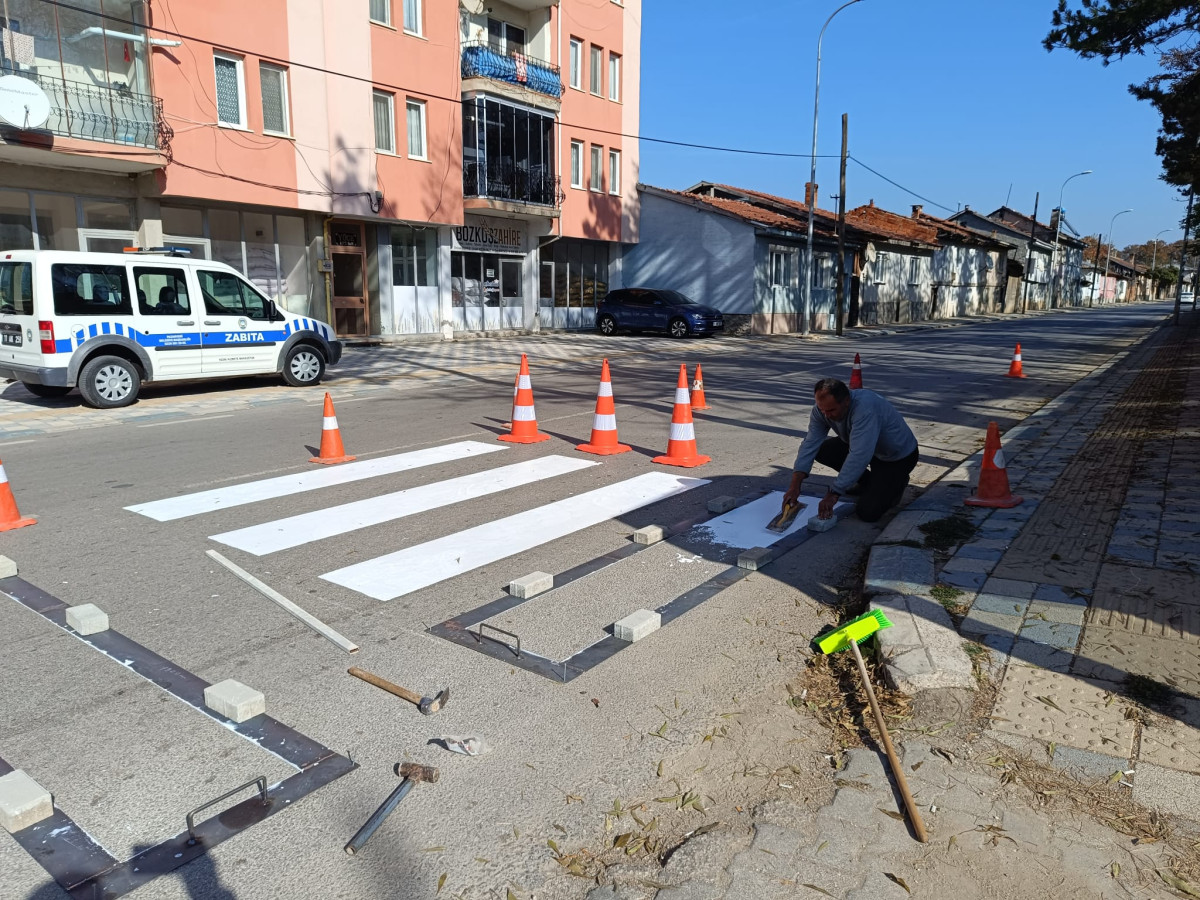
(834, 388)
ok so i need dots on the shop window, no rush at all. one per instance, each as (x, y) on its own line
(183, 222)
(112, 215)
(293, 261)
(225, 230)
(414, 256)
(57, 222)
(16, 225)
(261, 265)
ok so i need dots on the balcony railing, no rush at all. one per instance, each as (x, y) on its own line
(113, 115)
(507, 182)
(482, 60)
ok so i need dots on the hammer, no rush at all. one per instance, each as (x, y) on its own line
(411, 773)
(427, 705)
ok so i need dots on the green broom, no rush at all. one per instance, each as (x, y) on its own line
(851, 635)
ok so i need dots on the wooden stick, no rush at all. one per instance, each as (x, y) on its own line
(384, 684)
(913, 816)
(311, 621)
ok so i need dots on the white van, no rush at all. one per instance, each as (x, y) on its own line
(107, 322)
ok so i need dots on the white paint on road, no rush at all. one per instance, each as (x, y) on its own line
(283, 534)
(186, 421)
(285, 485)
(396, 574)
(746, 526)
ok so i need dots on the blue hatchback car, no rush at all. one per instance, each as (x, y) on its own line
(650, 309)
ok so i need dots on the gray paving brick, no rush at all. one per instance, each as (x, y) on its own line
(1049, 611)
(978, 623)
(1005, 606)
(1055, 634)
(1008, 588)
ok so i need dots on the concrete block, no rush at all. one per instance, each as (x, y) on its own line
(87, 618)
(637, 625)
(983, 622)
(755, 558)
(8, 568)
(819, 525)
(651, 534)
(898, 570)
(234, 700)
(722, 504)
(531, 585)
(23, 802)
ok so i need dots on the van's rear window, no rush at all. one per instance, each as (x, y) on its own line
(16, 288)
(87, 290)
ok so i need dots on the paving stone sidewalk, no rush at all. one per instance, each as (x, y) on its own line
(1087, 594)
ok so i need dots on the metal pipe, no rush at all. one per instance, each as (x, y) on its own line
(1057, 232)
(806, 297)
(122, 35)
(372, 824)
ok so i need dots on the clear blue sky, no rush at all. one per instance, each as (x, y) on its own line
(954, 99)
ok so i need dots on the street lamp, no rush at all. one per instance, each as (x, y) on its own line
(1154, 263)
(1058, 231)
(1108, 256)
(806, 299)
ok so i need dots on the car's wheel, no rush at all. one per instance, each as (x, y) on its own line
(606, 325)
(47, 391)
(109, 382)
(678, 328)
(304, 365)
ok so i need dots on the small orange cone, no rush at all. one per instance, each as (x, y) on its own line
(1014, 370)
(856, 374)
(524, 419)
(698, 401)
(332, 450)
(681, 449)
(604, 425)
(993, 490)
(10, 516)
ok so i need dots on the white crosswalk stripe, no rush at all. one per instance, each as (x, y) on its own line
(396, 574)
(283, 534)
(285, 485)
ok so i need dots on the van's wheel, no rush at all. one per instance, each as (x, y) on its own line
(109, 382)
(47, 391)
(304, 365)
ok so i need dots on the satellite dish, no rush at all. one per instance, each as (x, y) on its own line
(23, 104)
(869, 252)
(473, 7)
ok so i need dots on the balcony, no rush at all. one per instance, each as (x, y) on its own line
(482, 60)
(503, 186)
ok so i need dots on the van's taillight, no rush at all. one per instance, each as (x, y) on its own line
(46, 333)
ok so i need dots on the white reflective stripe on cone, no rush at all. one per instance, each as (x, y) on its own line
(605, 389)
(697, 385)
(604, 422)
(1016, 357)
(682, 431)
(523, 382)
(682, 396)
(329, 423)
(524, 414)
(998, 458)
(3, 477)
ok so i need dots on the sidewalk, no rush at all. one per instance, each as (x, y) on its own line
(1087, 594)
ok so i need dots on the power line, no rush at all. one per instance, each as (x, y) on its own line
(897, 184)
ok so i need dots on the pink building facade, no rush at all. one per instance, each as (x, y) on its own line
(396, 167)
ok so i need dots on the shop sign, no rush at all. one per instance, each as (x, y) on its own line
(490, 235)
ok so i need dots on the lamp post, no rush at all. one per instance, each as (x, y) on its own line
(1108, 256)
(1154, 263)
(806, 298)
(1058, 231)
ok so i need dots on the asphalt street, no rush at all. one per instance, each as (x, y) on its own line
(127, 761)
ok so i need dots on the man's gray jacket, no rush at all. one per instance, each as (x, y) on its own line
(872, 427)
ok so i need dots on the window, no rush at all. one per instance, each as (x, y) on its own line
(414, 256)
(385, 131)
(415, 112)
(576, 63)
(274, 98)
(412, 16)
(162, 292)
(576, 164)
(87, 290)
(508, 152)
(228, 295)
(597, 182)
(231, 90)
(880, 268)
(914, 270)
(505, 38)
(597, 75)
(614, 77)
(614, 171)
(381, 12)
(16, 288)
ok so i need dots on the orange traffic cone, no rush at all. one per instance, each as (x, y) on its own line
(332, 450)
(10, 516)
(604, 425)
(993, 490)
(1014, 370)
(681, 449)
(856, 374)
(524, 419)
(698, 401)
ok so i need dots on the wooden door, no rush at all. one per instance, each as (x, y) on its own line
(351, 315)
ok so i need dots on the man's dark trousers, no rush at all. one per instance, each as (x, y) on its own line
(882, 484)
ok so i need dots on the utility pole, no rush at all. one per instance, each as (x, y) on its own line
(1095, 269)
(841, 258)
(1183, 259)
(1029, 256)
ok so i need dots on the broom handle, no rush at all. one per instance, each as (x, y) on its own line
(913, 816)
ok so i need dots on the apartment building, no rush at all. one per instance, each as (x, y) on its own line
(394, 167)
